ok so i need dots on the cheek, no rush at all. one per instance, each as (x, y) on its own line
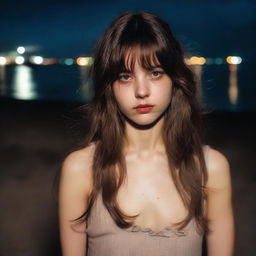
(122, 96)
(118, 93)
(164, 93)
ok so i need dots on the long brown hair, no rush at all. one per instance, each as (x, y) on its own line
(182, 132)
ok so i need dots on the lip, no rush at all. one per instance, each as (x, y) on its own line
(143, 108)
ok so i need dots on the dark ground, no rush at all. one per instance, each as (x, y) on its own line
(35, 136)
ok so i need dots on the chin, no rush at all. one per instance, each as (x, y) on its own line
(143, 122)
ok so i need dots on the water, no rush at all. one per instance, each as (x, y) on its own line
(224, 87)
(52, 82)
(227, 89)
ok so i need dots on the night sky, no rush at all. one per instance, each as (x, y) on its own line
(54, 28)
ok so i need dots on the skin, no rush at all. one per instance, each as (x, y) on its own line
(148, 189)
(143, 87)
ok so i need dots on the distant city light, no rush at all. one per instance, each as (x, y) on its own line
(68, 61)
(37, 60)
(21, 49)
(87, 61)
(19, 60)
(196, 61)
(3, 61)
(84, 61)
(234, 60)
(218, 61)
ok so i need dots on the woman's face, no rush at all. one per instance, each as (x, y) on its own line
(152, 88)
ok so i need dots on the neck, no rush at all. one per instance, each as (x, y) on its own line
(144, 142)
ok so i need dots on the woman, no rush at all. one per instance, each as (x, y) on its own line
(144, 183)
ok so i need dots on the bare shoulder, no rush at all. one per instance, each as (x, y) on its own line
(77, 168)
(218, 168)
(78, 161)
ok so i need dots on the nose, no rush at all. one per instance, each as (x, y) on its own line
(142, 89)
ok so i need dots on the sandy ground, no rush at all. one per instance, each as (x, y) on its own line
(34, 138)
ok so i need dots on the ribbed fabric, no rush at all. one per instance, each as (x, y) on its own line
(105, 238)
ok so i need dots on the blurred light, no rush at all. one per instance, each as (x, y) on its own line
(196, 61)
(68, 61)
(201, 60)
(37, 60)
(234, 60)
(84, 61)
(3, 61)
(228, 59)
(218, 61)
(193, 60)
(20, 49)
(19, 60)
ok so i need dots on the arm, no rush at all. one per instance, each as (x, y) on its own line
(75, 186)
(220, 239)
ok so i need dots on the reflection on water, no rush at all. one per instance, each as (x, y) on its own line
(24, 84)
(197, 69)
(232, 90)
(85, 85)
(2, 80)
(62, 82)
(233, 86)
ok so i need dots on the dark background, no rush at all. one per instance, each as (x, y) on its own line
(55, 28)
(35, 135)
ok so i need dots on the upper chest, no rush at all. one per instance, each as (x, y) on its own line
(150, 190)
(147, 176)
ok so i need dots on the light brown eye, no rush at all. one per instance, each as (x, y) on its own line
(157, 73)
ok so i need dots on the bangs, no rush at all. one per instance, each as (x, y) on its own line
(145, 55)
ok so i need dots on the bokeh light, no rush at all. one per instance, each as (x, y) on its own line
(68, 61)
(196, 61)
(21, 49)
(3, 60)
(37, 60)
(19, 60)
(84, 61)
(234, 60)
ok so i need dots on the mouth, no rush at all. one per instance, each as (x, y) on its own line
(144, 108)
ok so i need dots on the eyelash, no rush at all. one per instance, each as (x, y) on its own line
(159, 72)
(120, 77)
(155, 71)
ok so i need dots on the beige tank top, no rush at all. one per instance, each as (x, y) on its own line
(105, 238)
